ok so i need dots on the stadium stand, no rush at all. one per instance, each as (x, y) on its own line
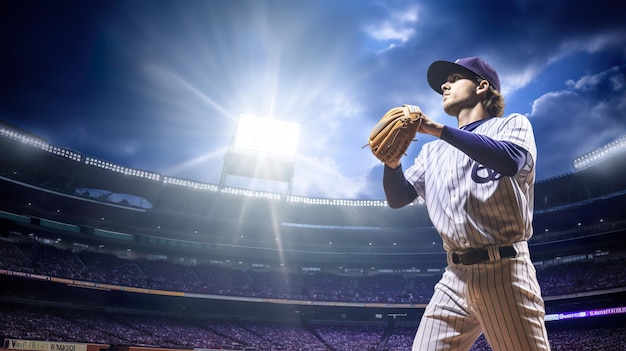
(204, 268)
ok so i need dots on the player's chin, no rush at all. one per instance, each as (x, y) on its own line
(451, 110)
(449, 107)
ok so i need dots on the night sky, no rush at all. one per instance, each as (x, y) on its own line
(159, 85)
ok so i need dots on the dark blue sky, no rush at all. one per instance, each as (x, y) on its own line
(159, 85)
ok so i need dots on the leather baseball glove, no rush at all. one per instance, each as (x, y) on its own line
(394, 132)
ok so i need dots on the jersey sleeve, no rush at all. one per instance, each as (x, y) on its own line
(508, 150)
(518, 130)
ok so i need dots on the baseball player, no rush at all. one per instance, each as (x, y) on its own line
(477, 182)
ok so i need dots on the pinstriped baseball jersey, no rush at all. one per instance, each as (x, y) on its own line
(470, 205)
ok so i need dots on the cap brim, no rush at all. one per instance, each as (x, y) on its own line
(439, 71)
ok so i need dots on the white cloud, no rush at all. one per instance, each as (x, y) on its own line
(345, 105)
(399, 27)
(612, 76)
(594, 44)
(322, 177)
(559, 119)
(545, 105)
(618, 82)
(391, 31)
(578, 120)
(518, 80)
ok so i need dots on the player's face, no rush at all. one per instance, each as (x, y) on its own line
(459, 92)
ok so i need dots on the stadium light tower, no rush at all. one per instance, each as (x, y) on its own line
(262, 148)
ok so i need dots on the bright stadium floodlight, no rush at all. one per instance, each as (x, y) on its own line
(262, 148)
(266, 136)
(596, 156)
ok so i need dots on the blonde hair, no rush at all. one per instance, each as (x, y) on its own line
(494, 102)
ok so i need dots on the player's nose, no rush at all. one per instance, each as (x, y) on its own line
(445, 86)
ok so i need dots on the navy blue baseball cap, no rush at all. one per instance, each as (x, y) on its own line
(439, 71)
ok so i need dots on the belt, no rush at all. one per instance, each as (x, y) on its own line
(482, 255)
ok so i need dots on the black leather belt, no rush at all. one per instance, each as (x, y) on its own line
(481, 255)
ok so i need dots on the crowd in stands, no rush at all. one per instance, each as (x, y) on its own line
(99, 267)
(349, 338)
(582, 276)
(56, 324)
(29, 322)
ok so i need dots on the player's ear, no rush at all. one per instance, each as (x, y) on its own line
(482, 86)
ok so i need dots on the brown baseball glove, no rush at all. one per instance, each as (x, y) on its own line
(394, 132)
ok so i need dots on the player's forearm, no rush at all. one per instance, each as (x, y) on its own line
(398, 190)
(504, 157)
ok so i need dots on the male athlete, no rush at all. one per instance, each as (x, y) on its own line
(477, 182)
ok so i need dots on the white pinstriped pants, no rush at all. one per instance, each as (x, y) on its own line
(500, 298)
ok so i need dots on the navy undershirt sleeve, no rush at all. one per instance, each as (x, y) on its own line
(398, 190)
(503, 157)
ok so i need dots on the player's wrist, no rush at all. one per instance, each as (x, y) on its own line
(393, 164)
(435, 129)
